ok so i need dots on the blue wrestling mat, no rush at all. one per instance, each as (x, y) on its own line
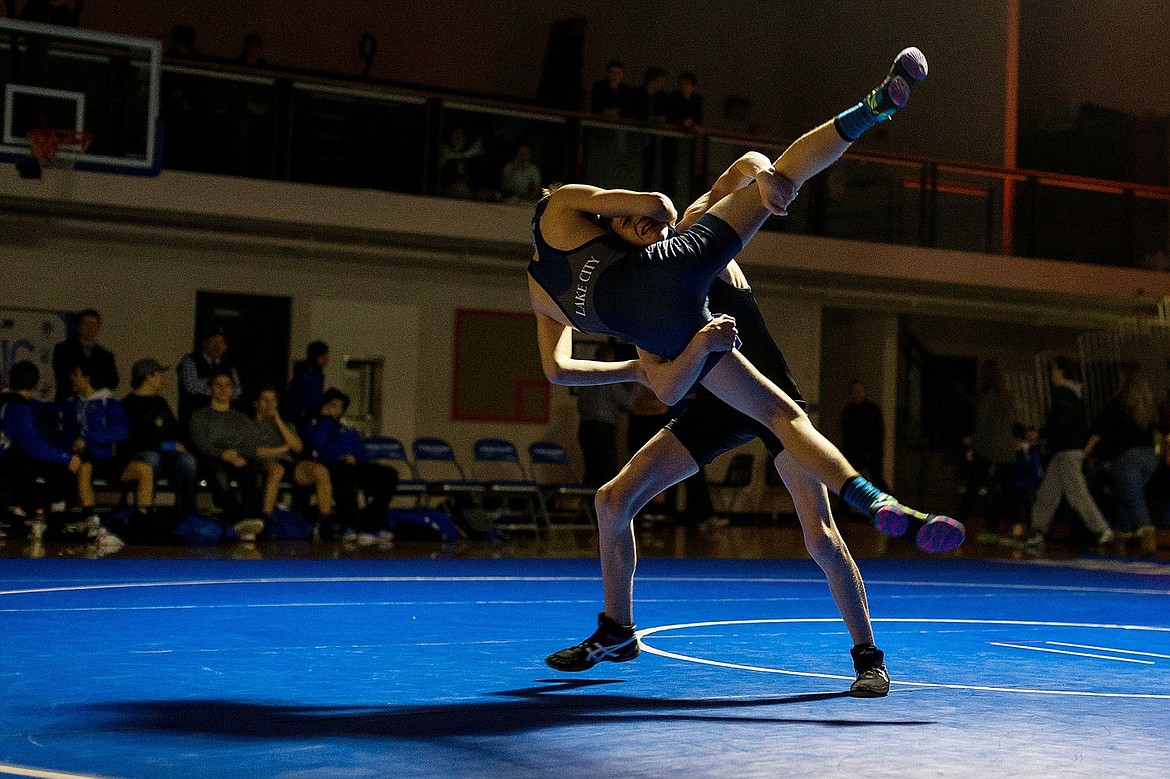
(314, 669)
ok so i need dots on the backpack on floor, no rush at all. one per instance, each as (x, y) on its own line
(198, 530)
(286, 525)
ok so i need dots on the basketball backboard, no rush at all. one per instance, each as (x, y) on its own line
(75, 79)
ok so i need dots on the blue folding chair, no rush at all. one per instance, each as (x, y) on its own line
(565, 498)
(497, 464)
(390, 451)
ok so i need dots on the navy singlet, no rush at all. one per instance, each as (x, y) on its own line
(654, 298)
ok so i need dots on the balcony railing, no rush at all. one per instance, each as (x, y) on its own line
(324, 130)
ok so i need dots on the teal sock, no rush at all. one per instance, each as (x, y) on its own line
(859, 493)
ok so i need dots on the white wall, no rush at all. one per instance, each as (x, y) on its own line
(140, 249)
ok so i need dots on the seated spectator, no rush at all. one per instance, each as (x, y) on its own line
(37, 473)
(226, 443)
(610, 96)
(282, 447)
(303, 396)
(253, 52)
(82, 348)
(339, 447)
(1027, 472)
(196, 369)
(182, 42)
(1123, 436)
(94, 423)
(686, 106)
(455, 164)
(156, 438)
(520, 178)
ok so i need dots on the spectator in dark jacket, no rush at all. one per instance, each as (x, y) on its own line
(82, 348)
(1066, 429)
(302, 399)
(156, 438)
(343, 452)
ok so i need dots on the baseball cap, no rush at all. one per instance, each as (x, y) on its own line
(143, 370)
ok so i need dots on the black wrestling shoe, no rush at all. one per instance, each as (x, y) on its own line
(611, 641)
(873, 681)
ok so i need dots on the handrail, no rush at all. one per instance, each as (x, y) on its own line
(489, 102)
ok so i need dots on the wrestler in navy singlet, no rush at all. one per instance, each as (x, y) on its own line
(708, 427)
(655, 297)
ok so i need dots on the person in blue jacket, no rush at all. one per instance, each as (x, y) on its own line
(36, 472)
(93, 423)
(341, 449)
(307, 386)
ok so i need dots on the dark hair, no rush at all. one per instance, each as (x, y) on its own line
(1019, 432)
(316, 349)
(1068, 366)
(688, 76)
(93, 312)
(615, 64)
(331, 395)
(24, 376)
(220, 370)
(269, 387)
(210, 331)
(252, 38)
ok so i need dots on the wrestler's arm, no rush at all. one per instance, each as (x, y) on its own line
(671, 380)
(560, 367)
(577, 199)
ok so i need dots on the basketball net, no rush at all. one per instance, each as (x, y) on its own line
(57, 153)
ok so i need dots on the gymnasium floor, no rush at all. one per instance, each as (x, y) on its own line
(414, 665)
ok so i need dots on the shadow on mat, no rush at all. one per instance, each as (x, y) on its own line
(529, 709)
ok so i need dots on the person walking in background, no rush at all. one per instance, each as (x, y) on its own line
(863, 431)
(1066, 430)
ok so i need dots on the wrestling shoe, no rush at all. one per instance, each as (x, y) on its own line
(940, 534)
(873, 681)
(611, 641)
(908, 69)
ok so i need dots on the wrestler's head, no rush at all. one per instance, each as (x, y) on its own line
(639, 231)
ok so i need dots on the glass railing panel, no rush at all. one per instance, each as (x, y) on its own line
(499, 154)
(631, 157)
(357, 138)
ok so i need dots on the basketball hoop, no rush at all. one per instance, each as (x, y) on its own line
(58, 148)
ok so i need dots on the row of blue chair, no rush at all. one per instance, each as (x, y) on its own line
(496, 485)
